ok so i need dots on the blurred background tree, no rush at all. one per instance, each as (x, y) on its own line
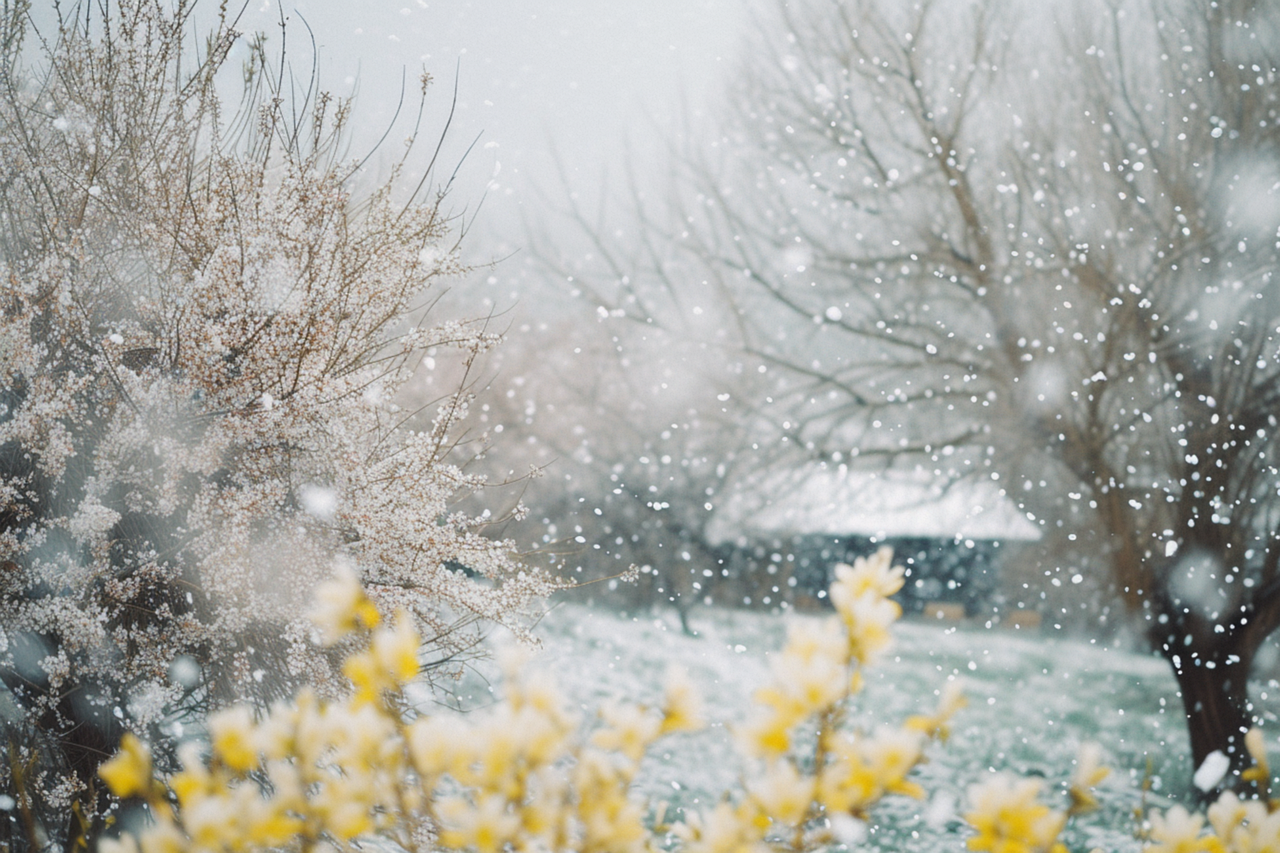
(1036, 246)
(640, 434)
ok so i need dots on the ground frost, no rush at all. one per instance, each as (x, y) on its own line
(1032, 701)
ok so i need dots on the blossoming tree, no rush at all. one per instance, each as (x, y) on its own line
(203, 329)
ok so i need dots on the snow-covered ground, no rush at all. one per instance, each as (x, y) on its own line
(1032, 701)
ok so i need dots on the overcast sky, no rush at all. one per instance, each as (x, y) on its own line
(536, 78)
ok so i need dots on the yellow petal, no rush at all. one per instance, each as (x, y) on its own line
(129, 772)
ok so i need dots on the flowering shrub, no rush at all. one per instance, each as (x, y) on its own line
(529, 774)
(207, 317)
(1010, 818)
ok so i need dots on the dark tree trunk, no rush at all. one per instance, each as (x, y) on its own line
(682, 608)
(1216, 703)
(1211, 663)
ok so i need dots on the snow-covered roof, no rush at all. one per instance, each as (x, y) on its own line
(841, 502)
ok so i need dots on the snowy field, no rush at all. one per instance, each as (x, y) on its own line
(1032, 701)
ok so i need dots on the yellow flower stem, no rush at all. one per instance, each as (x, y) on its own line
(406, 835)
(312, 823)
(428, 785)
(829, 721)
(156, 801)
(1141, 832)
(308, 837)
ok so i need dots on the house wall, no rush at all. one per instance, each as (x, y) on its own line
(798, 569)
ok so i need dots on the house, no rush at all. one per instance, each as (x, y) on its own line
(780, 539)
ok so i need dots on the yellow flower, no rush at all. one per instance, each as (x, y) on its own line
(597, 775)
(232, 736)
(783, 792)
(164, 837)
(847, 784)
(936, 725)
(874, 574)
(212, 822)
(682, 706)
(498, 750)
(1010, 819)
(366, 676)
(822, 640)
(344, 805)
(1227, 814)
(541, 813)
(766, 733)
(342, 607)
(1260, 772)
(1255, 828)
(486, 826)
(725, 830)
(811, 673)
(537, 694)
(856, 682)
(129, 772)
(860, 595)
(438, 745)
(363, 738)
(1089, 772)
(390, 662)
(542, 736)
(396, 650)
(611, 823)
(346, 819)
(868, 618)
(274, 737)
(287, 785)
(1177, 831)
(777, 702)
(268, 824)
(804, 686)
(628, 730)
(519, 779)
(191, 783)
(892, 754)
(861, 770)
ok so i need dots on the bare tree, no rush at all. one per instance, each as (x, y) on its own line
(641, 435)
(1036, 246)
(205, 317)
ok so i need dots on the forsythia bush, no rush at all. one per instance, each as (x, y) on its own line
(527, 774)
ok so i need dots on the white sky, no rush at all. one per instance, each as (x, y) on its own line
(537, 78)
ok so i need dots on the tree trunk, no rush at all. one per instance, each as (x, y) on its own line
(1212, 674)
